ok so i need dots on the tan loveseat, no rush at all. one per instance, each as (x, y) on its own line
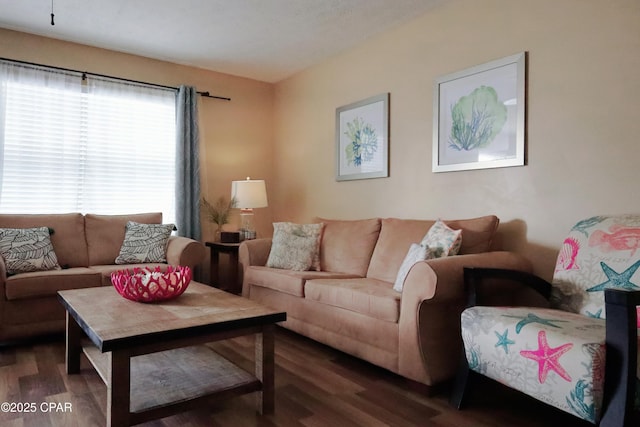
(351, 305)
(86, 247)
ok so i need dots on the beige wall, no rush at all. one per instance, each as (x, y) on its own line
(583, 120)
(236, 136)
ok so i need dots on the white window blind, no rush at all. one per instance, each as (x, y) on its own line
(100, 146)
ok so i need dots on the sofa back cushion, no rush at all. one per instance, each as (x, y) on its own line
(346, 246)
(68, 238)
(397, 235)
(105, 234)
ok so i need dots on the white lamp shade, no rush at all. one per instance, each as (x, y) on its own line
(250, 193)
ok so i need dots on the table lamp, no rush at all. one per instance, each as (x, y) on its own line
(249, 194)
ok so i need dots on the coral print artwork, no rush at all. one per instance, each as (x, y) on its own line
(364, 142)
(479, 116)
(362, 139)
(476, 119)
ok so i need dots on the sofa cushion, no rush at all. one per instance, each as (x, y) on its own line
(68, 240)
(288, 281)
(105, 234)
(558, 358)
(373, 298)
(40, 283)
(295, 246)
(144, 243)
(27, 249)
(346, 246)
(397, 235)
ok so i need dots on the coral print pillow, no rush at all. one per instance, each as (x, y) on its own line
(27, 249)
(442, 240)
(295, 246)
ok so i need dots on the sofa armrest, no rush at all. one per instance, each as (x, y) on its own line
(479, 294)
(3, 270)
(185, 251)
(3, 280)
(433, 297)
(252, 252)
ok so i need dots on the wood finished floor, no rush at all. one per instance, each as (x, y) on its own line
(315, 386)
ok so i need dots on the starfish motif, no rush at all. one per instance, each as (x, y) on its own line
(532, 318)
(615, 279)
(503, 341)
(548, 358)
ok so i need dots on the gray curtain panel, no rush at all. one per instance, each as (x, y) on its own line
(187, 164)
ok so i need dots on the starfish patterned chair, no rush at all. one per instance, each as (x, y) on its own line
(579, 350)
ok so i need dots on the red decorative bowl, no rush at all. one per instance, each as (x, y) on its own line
(149, 285)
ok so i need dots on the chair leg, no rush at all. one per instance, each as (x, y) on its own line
(461, 384)
(620, 369)
(619, 409)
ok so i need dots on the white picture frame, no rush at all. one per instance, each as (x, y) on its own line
(362, 139)
(479, 116)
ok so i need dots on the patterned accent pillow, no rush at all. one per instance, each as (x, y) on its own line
(144, 243)
(442, 240)
(415, 254)
(27, 249)
(295, 246)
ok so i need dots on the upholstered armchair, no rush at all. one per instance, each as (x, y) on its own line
(579, 352)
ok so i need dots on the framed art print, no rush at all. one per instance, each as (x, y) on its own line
(479, 116)
(362, 139)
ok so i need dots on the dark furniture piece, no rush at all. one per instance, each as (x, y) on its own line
(231, 249)
(174, 371)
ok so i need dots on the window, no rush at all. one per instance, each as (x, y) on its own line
(91, 146)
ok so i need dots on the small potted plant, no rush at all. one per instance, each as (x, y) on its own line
(218, 212)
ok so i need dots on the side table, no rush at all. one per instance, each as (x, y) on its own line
(232, 250)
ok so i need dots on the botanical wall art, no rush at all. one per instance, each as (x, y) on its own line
(362, 139)
(479, 116)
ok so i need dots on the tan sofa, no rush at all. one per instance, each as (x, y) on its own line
(86, 247)
(350, 304)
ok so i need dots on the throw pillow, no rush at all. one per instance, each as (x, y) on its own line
(294, 246)
(415, 254)
(442, 240)
(27, 249)
(144, 243)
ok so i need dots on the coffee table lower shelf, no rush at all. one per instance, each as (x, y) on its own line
(172, 381)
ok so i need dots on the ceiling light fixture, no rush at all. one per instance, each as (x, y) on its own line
(52, 15)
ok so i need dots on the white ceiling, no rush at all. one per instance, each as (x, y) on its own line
(266, 40)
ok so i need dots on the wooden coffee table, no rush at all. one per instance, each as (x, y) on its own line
(152, 357)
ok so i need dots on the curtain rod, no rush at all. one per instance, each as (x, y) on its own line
(86, 73)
